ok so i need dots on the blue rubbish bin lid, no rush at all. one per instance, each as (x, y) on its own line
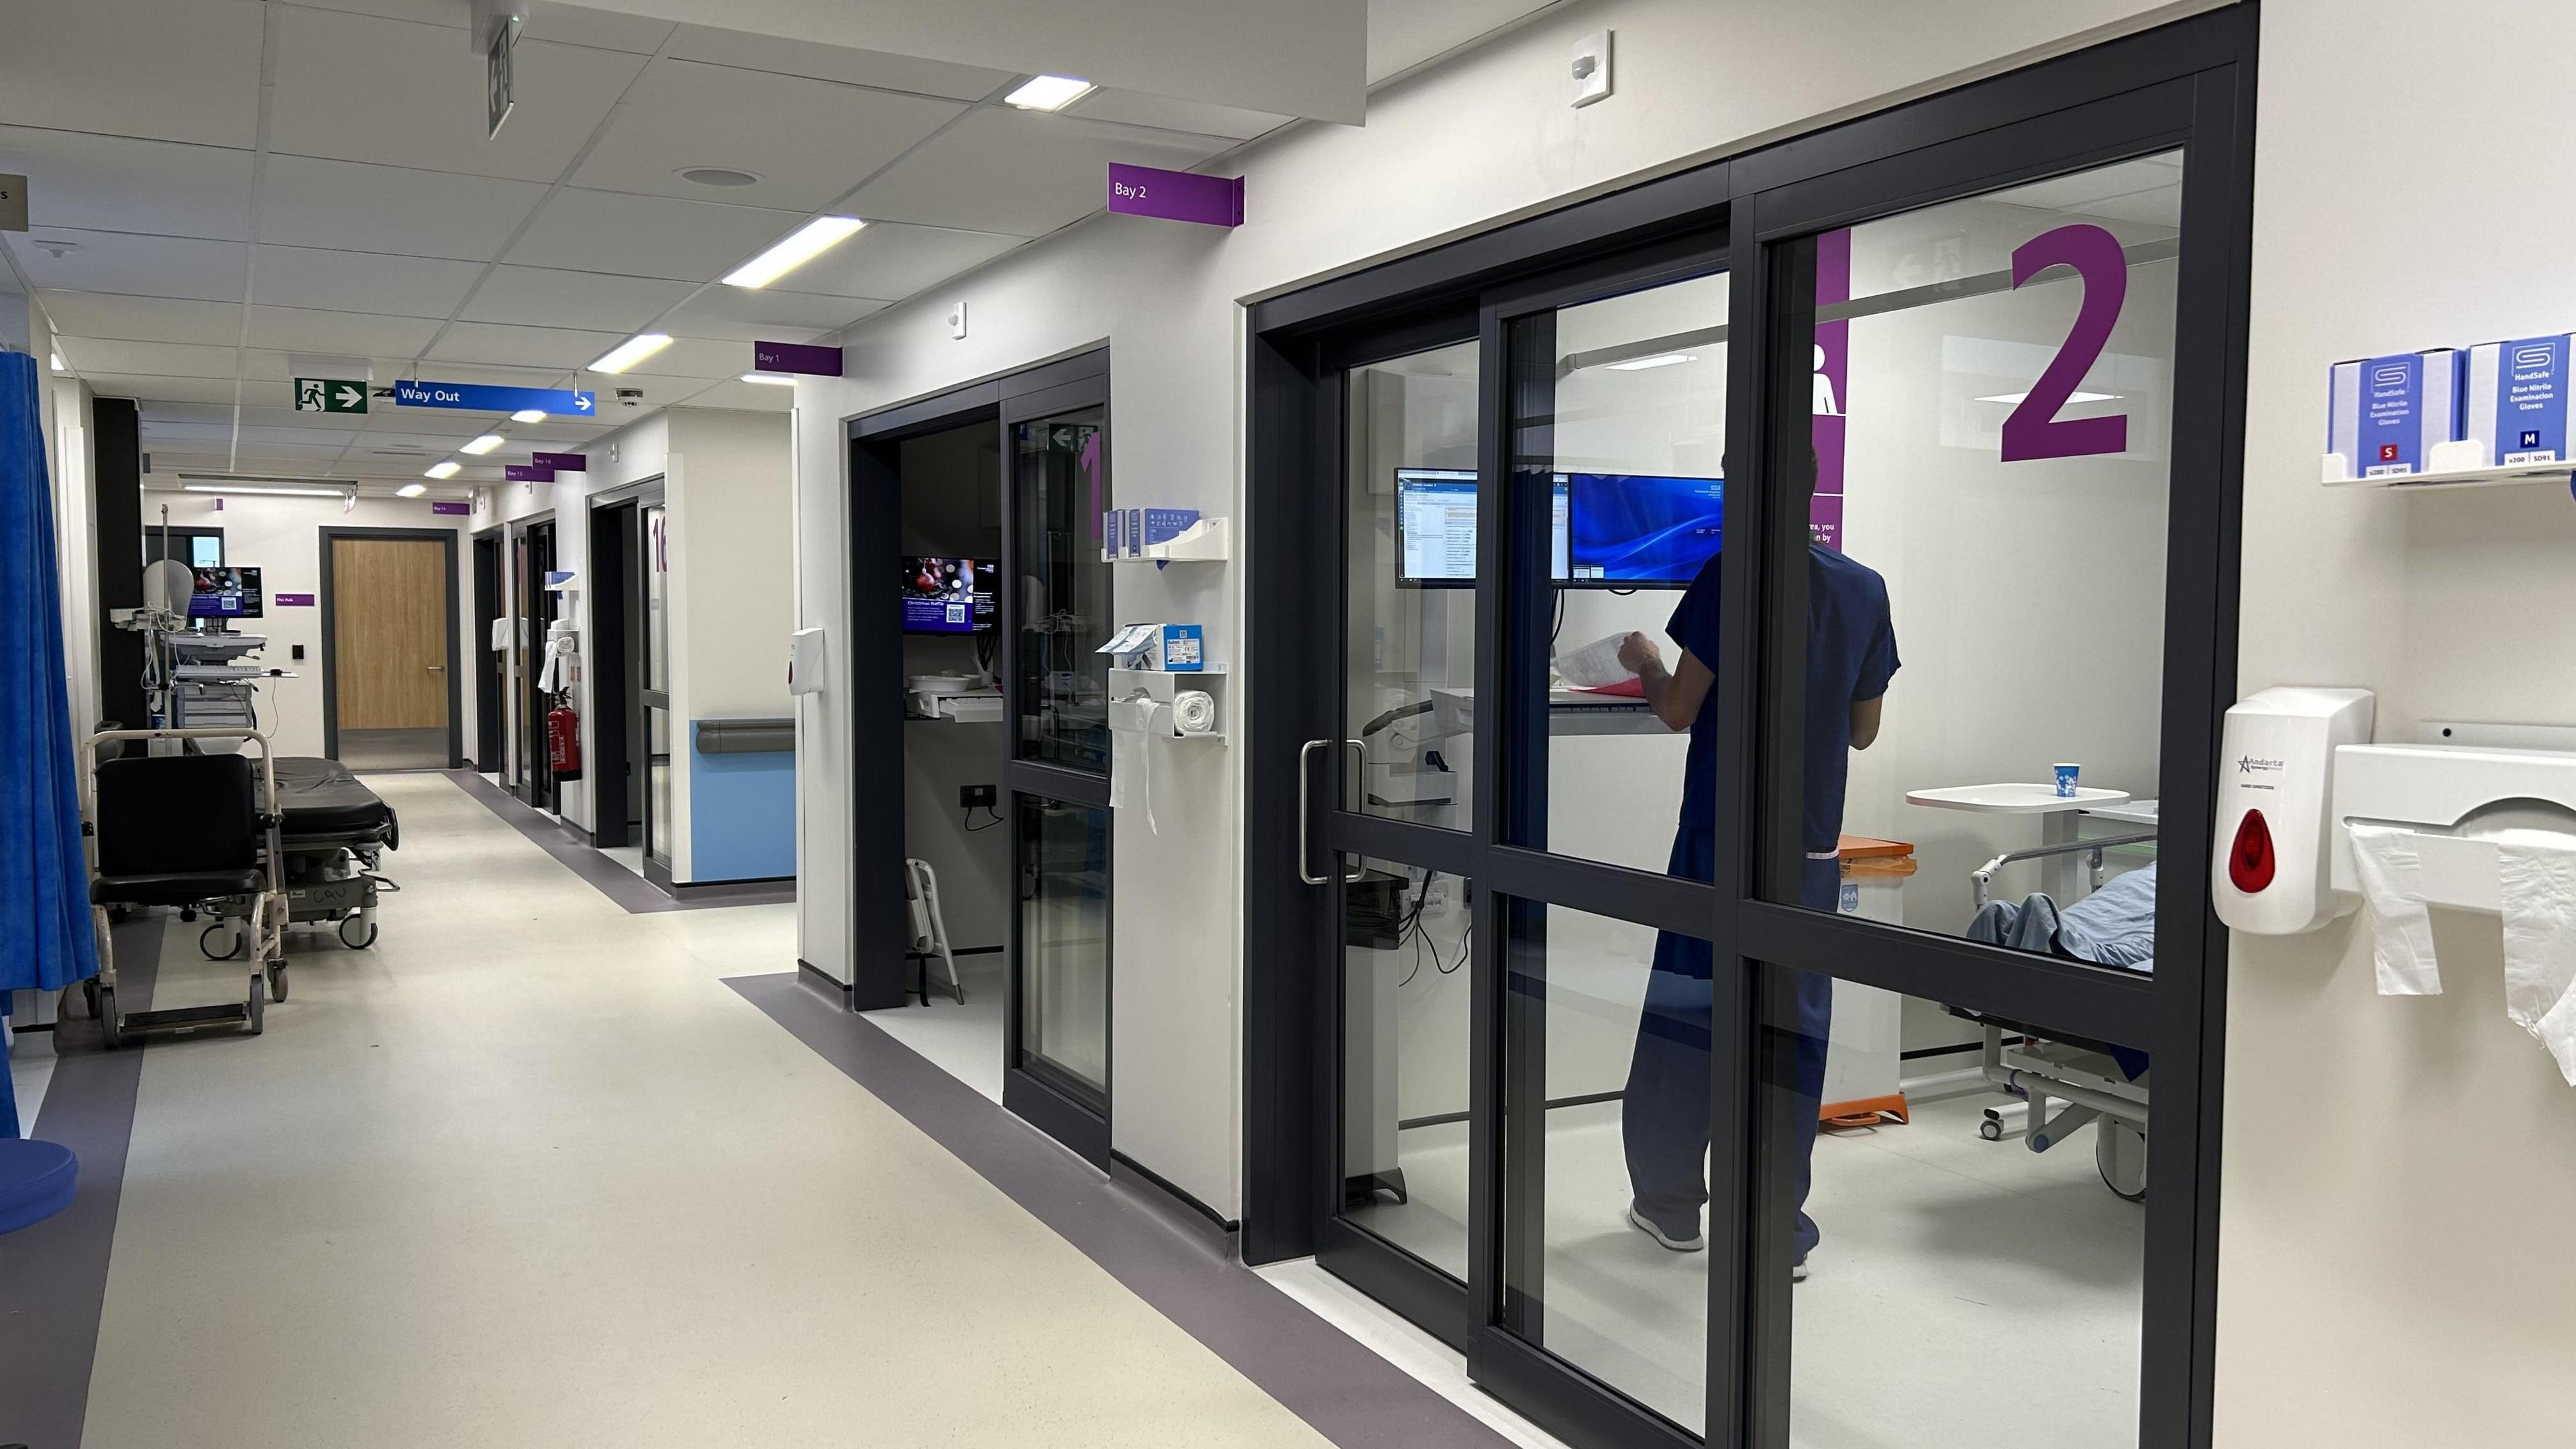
(36, 1181)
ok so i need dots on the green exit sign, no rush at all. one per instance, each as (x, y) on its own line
(329, 395)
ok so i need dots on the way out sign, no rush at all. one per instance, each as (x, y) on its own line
(329, 395)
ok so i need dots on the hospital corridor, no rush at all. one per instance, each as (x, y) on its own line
(1390, 724)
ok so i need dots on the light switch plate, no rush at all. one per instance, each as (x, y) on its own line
(957, 321)
(1588, 69)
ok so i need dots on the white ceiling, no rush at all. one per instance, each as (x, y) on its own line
(192, 227)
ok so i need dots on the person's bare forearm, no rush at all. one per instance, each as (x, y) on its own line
(1658, 683)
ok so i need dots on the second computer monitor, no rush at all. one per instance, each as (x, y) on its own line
(1610, 530)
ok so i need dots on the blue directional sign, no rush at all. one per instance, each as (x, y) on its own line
(475, 397)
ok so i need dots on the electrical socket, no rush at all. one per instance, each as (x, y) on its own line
(978, 797)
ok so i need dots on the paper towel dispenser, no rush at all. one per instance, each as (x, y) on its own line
(2275, 833)
(2459, 800)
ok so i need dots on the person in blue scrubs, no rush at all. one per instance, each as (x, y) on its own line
(1851, 656)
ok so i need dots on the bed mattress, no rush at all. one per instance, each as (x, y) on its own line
(321, 798)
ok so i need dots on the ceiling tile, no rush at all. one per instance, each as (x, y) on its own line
(768, 315)
(194, 391)
(493, 342)
(116, 183)
(186, 412)
(175, 72)
(682, 114)
(602, 29)
(361, 88)
(143, 319)
(143, 266)
(1169, 113)
(543, 297)
(832, 63)
(350, 207)
(746, 397)
(647, 236)
(658, 392)
(298, 437)
(1023, 172)
(890, 260)
(363, 281)
(150, 359)
(705, 357)
(296, 329)
(428, 12)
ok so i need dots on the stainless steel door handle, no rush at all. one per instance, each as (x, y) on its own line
(1361, 750)
(1306, 812)
(435, 668)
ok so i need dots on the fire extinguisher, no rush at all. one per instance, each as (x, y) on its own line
(563, 740)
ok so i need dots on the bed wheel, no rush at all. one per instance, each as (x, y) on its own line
(277, 982)
(1991, 1130)
(2120, 1155)
(258, 1005)
(357, 932)
(108, 1035)
(206, 942)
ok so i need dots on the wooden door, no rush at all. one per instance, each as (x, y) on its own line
(389, 633)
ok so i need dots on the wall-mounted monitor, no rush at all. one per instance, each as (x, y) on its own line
(948, 595)
(1644, 531)
(222, 593)
(1435, 529)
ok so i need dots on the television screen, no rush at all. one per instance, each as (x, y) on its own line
(1435, 528)
(947, 595)
(221, 593)
(1643, 531)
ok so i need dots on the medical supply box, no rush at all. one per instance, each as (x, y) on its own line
(2275, 825)
(2515, 400)
(2385, 414)
(1168, 648)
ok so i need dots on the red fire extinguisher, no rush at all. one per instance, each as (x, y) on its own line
(563, 740)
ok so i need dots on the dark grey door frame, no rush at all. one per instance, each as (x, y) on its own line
(331, 642)
(491, 713)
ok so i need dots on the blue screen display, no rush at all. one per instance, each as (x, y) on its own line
(1641, 530)
(947, 595)
(222, 593)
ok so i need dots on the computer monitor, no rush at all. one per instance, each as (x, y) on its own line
(1644, 531)
(222, 593)
(1435, 529)
(948, 595)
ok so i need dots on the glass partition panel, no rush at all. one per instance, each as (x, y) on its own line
(1062, 474)
(1405, 999)
(1064, 942)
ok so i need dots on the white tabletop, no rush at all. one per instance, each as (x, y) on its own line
(2015, 799)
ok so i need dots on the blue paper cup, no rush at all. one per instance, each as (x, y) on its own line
(2066, 780)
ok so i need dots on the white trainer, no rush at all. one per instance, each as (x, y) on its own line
(1646, 1225)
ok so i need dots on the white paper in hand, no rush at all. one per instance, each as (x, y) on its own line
(1595, 664)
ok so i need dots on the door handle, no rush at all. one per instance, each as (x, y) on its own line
(1306, 811)
(1361, 750)
(435, 668)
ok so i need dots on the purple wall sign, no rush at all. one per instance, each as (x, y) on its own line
(1176, 195)
(1833, 379)
(2035, 430)
(527, 473)
(796, 357)
(292, 601)
(560, 462)
(454, 510)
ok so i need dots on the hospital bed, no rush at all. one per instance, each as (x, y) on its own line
(2099, 1084)
(332, 835)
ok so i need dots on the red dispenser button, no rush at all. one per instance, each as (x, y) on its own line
(2249, 861)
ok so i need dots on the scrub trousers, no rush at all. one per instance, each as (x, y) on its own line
(1664, 1115)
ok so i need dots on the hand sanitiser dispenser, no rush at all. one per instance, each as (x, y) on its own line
(2275, 807)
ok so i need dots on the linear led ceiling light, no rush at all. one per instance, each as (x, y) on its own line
(444, 468)
(482, 445)
(771, 379)
(529, 415)
(797, 248)
(1048, 93)
(632, 351)
(271, 492)
(1660, 359)
(411, 490)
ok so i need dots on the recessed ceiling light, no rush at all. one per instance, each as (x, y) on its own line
(1660, 359)
(2016, 399)
(632, 351)
(797, 248)
(444, 468)
(772, 379)
(529, 415)
(1048, 93)
(411, 490)
(717, 176)
(482, 445)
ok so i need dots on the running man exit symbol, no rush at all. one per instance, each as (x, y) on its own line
(329, 395)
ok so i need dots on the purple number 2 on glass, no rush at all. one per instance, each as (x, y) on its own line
(2035, 430)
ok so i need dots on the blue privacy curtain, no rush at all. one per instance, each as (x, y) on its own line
(45, 940)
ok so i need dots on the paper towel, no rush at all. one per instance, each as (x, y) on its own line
(2401, 928)
(2537, 881)
(1193, 712)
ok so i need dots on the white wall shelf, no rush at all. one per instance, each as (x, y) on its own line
(1135, 695)
(1210, 540)
(2338, 474)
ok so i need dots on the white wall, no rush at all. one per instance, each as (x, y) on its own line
(1696, 78)
(2398, 1173)
(282, 538)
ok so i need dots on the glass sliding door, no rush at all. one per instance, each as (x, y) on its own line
(1064, 933)
(653, 673)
